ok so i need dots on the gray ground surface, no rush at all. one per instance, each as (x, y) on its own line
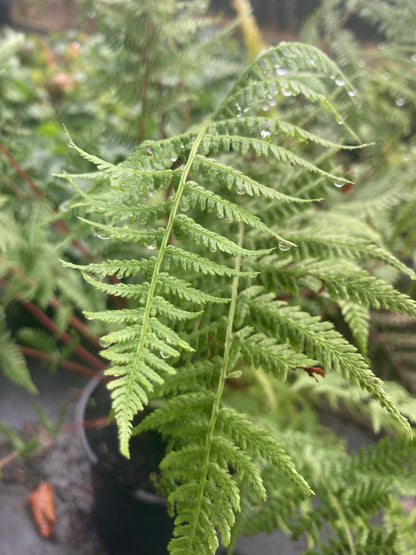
(65, 467)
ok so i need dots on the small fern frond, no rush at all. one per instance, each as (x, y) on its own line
(347, 282)
(187, 227)
(237, 181)
(358, 320)
(190, 260)
(13, 364)
(322, 342)
(209, 201)
(261, 444)
(259, 350)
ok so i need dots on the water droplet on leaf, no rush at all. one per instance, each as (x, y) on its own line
(185, 203)
(400, 102)
(241, 190)
(164, 355)
(339, 184)
(65, 206)
(265, 134)
(351, 93)
(287, 93)
(284, 245)
(281, 71)
(339, 82)
(102, 236)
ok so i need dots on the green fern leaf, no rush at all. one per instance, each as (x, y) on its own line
(13, 364)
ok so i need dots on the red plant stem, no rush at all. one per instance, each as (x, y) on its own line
(23, 174)
(77, 324)
(60, 224)
(49, 325)
(68, 364)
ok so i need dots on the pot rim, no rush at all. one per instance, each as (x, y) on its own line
(80, 409)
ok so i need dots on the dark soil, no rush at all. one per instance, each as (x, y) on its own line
(146, 450)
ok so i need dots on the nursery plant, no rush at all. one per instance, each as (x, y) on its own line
(222, 244)
(234, 258)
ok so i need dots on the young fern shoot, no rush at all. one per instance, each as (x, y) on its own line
(201, 278)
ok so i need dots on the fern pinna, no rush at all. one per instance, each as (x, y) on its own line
(210, 246)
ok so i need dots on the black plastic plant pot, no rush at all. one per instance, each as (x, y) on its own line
(131, 518)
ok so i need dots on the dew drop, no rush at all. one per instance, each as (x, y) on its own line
(105, 342)
(273, 102)
(102, 236)
(69, 145)
(339, 82)
(281, 71)
(339, 184)
(287, 93)
(400, 102)
(246, 109)
(332, 77)
(413, 58)
(265, 107)
(253, 276)
(284, 245)
(151, 247)
(185, 203)
(164, 355)
(351, 93)
(64, 207)
(241, 190)
(265, 134)
(213, 248)
(361, 63)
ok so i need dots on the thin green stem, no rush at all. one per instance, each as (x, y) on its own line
(159, 260)
(219, 392)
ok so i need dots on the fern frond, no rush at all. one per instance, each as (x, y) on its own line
(190, 260)
(186, 226)
(266, 127)
(262, 148)
(347, 282)
(233, 179)
(358, 320)
(320, 341)
(259, 350)
(13, 364)
(209, 201)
